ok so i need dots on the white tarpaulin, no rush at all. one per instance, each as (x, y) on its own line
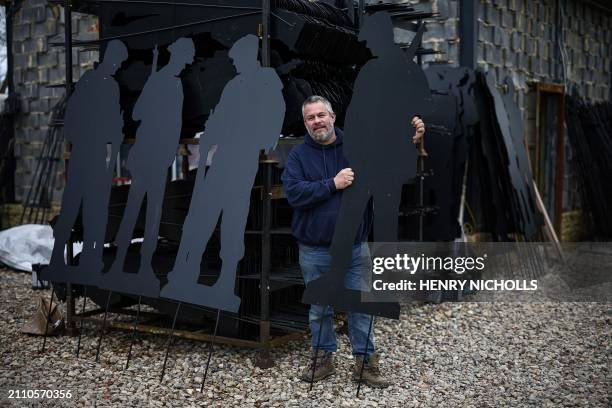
(25, 245)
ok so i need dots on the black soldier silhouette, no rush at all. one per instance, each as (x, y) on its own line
(92, 120)
(389, 91)
(159, 110)
(247, 119)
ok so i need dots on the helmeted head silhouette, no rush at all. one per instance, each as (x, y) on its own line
(115, 54)
(377, 31)
(244, 53)
(182, 52)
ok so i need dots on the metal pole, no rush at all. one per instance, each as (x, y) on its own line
(68, 85)
(56, 146)
(264, 328)
(468, 11)
(360, 11)
(35, 184)
(314, 363)
(264, 324)
(81, 327)
(421, 153)
(265, 41)
(68, 45)
(47, 319)
(127, 363)
(365, 353)
(211, 346)
(170, 339)
(9, 9)
(110, 292)
(8, 191)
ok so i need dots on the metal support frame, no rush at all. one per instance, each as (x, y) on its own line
(264, 284)
(191, 335)
(265, 341)
(265, 41)
(610, 83)
(68, 58)
(468, 26)
(266, 254)
(360, 12)
(421, 155)
(7, 193)
(9, 10)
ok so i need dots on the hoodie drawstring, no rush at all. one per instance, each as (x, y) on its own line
(324, 164)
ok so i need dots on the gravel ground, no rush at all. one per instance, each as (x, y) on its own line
(448, 355)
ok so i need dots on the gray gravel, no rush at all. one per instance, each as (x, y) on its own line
(449, 355)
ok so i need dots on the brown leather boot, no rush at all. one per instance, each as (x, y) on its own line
(371, 372)
(325, 367)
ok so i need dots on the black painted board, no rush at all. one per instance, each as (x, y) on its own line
(532, 218)
(490, 165)
(390, 89)
(250, 115)
(520, 191)
(92, 121)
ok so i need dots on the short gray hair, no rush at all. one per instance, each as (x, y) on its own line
(314, 99)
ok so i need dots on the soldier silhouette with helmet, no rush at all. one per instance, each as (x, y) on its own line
(159, 110)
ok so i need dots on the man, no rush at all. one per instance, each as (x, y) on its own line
(315, 175)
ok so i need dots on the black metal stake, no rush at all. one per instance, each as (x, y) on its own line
(127, 363)
(266, 252)
(364, 356)
(210, 349)
(103, 326)
(314, 363)
(81, 327)
(170, 338)
(47, 320)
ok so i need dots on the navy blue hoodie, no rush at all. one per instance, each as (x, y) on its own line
(308, 182)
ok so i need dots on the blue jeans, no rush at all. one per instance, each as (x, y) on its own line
(316, 261)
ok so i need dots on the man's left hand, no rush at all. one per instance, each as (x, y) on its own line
(419, 125)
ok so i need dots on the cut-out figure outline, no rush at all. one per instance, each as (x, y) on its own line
(92, 120)
(247, 119)
(389, 90)
(159, 110)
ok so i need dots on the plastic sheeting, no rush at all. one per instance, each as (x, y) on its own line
(27, 245)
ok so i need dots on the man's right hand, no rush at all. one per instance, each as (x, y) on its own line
(344, 178)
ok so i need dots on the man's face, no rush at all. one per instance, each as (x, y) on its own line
(319, 122)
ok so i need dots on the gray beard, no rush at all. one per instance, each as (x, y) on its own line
(322, 138)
